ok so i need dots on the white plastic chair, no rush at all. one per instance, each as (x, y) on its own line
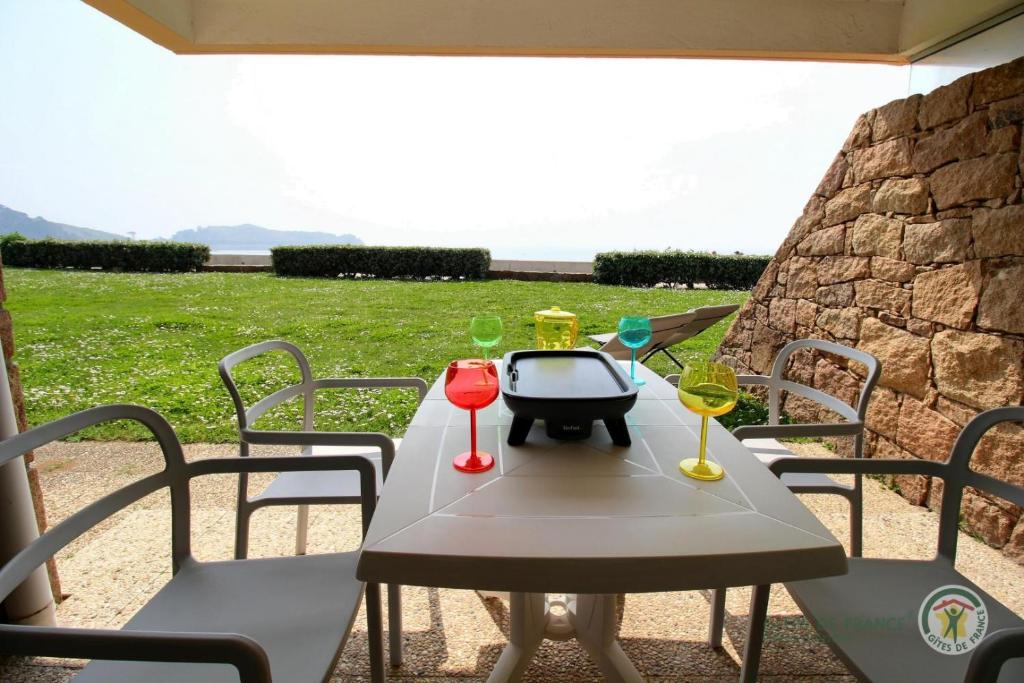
(305, 488)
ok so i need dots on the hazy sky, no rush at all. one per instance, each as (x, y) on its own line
(101, 128)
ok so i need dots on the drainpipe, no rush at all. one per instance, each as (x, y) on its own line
(31, 603)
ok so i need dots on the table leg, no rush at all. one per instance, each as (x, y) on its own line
(717, 618)
(395, 644)
(525, 632)
(755, 634)
(594, 621)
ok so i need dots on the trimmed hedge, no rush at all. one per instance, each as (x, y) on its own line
(349, 260)
(648, 268)
(141, 257)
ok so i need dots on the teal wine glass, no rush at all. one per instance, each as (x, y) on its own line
(486, 332)
(634, 333)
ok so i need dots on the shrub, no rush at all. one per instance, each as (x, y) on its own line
(347, 260)
(142, 257)
(11, 237)
(749, 410)
(648, 268)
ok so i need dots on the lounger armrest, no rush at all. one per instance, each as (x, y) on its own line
(602, 338)
(742, 380)
(927, 468)
(373, 383)
(791, 430)
(241, 652)
(994, 651)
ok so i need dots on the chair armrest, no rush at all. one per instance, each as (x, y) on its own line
(792, 430)
(311, 463)
(993, 651)
(928, 468)
(241, 652)
(291, 438)
(373, 383)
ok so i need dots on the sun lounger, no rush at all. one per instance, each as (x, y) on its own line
(667, 331)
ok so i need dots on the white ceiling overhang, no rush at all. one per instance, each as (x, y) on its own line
(891, 31)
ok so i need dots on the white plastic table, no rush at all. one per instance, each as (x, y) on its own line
(589, 520)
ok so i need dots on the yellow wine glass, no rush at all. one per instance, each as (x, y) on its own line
(708, 389)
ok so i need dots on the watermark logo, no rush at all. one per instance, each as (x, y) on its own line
(953, 620)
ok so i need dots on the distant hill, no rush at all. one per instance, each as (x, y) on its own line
(252, 237)
(220, 237)
(40, 228)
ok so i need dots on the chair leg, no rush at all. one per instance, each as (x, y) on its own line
(375, 633)
(301, 529)
(717, 618)
(755, 634)
(242, 532)
(395, 623)
(857, 519)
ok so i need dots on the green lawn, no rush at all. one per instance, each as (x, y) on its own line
(85, 339)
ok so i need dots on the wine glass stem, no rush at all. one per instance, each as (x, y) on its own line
(487, 353)
(632, 363)
(472, 434)
(703, 437)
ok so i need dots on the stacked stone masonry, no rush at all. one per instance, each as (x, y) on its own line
(912, 248)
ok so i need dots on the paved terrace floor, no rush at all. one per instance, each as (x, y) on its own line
(451, 635)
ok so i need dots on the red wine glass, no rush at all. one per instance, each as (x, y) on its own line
(471, 385)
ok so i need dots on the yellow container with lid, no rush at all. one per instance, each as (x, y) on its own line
(556, 329)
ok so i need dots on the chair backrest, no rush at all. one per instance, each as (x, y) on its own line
(957, 474)
(305, 388)
(778, 383)
(174, 476)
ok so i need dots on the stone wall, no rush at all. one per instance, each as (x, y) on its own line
(912, 248)
(14, 377)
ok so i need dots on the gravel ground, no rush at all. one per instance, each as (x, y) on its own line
(451, 635)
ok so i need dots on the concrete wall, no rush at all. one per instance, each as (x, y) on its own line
(504, 269)
(912, 248)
